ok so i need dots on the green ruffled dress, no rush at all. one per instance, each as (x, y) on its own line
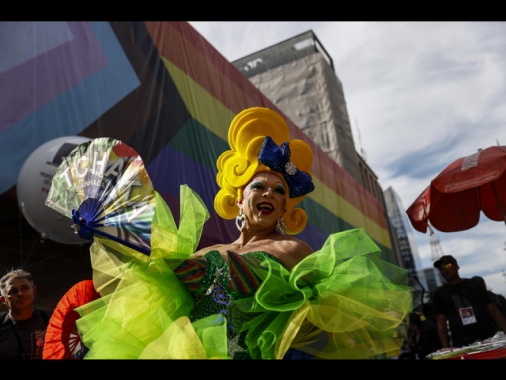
(341, 302)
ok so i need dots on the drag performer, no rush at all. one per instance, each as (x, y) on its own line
(266, 295)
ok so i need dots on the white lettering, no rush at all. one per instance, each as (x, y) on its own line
(99, 165)
(81, 170)
(66, 175)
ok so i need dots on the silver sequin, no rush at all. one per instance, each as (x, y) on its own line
(290, 168)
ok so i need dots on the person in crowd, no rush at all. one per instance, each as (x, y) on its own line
(265, 295)
(471, 314)
(429, 339)
(499, 299)
(22, 327)
(412, 342)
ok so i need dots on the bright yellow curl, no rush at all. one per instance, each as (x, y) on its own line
(238, 165)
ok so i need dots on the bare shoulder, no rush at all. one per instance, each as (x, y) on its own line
(294, 244)
(291, 250)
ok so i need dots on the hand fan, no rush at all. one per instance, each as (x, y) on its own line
(103, 186)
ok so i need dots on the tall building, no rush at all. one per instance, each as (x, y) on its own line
(298, 76)
(407, 245)
(406, 241)
(433, 279)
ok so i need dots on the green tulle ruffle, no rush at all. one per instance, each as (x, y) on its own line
(341, 302)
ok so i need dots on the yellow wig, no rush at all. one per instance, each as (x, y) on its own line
(246, 137)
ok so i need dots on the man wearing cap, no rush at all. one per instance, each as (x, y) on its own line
(466, 306)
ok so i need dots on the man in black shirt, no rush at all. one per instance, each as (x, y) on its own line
(466, 306)
(22, 327)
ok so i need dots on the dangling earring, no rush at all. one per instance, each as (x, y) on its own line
(239, 221)
(281, 226)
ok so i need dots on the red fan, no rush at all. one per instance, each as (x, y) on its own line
(62, 338)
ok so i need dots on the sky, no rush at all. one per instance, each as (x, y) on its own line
(419, 95)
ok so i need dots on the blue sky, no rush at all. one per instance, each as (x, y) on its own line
(419, 95)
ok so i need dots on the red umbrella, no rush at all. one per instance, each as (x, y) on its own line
(454, 199)
(62, 339)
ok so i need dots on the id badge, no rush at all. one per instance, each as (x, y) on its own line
(467, 315)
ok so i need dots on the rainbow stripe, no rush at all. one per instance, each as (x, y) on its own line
(161, 88)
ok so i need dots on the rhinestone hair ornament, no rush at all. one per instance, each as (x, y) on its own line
(260, 142)
(277, 158)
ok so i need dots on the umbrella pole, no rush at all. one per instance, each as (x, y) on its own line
(503, 213)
